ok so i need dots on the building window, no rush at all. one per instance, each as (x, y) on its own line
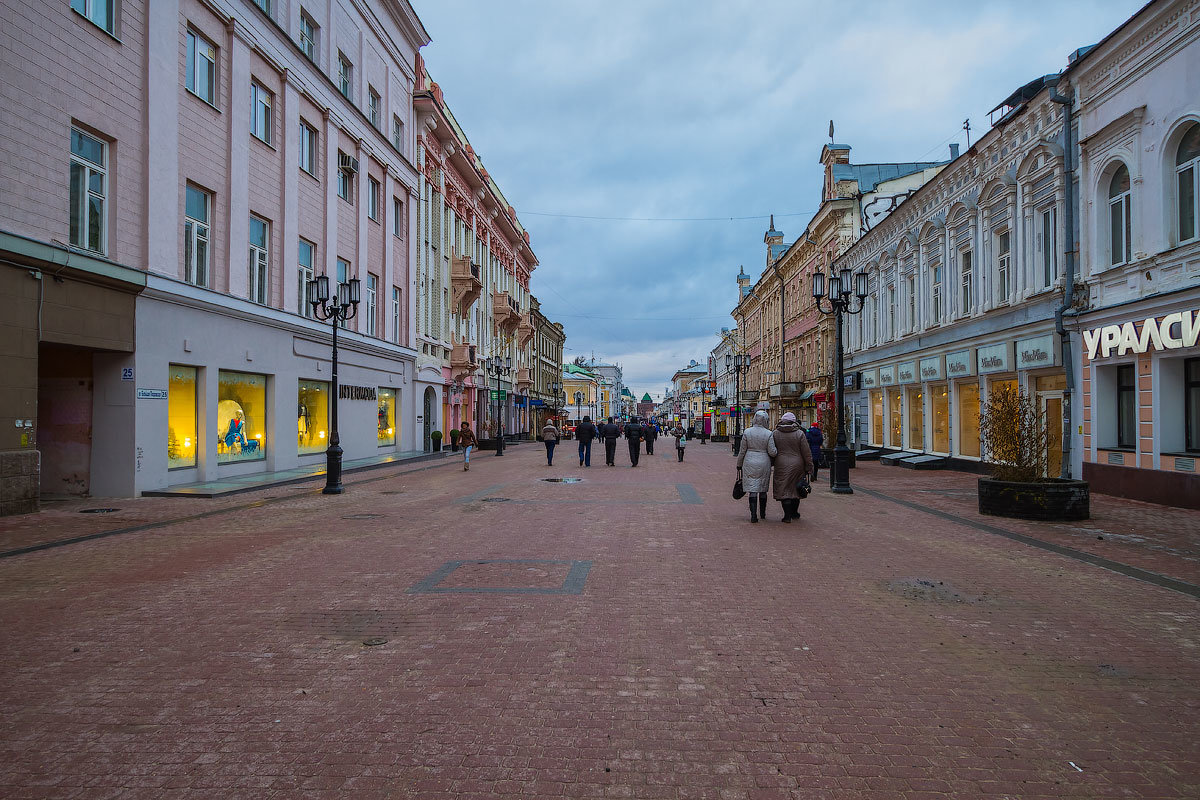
(345, 183)
(89, 179)
(397, 217)
(372, 198)
(1126, 406)
(345, 76)
(891, 300)
(968, 419)
(1191, 404)
(1003, 265)
(937, 294)
(939, 400)
(895, 419)
(98, 12)
(1049, 243)
(386, 427)
(916, 418)
(241, 417)
(1119, 216)
(1187, 172)
(373, 106)
(195, 236)
(260, 112)
(259, 236)
(310, 35)
(304, 274)
(967, 277)
(396, 314)
(308, 148)
(312, 417)
(372, 303)
(910, 289)
(397, 133)
(265, 5)
(877, 437)
(201, 67)
(182, 422)
(343, 275)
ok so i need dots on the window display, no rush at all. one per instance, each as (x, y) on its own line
(312, 417)
(877, 418)
(241, 417)
(181, 417)
(896, 419)
(387, 416)
(916, 419)
(939, 399)
(968, 419)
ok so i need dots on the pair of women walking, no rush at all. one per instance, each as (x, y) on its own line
(786, 451)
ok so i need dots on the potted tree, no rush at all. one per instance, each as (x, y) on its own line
(436, 439)
(1016, 442)
(454, 434)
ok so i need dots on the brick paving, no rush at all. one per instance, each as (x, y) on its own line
(872, 650)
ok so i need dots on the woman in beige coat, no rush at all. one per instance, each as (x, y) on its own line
(792, 464)
(754, 464)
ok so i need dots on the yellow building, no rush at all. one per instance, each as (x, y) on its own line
(583, 392)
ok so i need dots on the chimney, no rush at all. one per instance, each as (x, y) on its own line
(954, 151)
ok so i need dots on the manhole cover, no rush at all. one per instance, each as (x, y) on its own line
(362, 516)
(374, 641)
(496, 499)
(98, 510)
(562, 480)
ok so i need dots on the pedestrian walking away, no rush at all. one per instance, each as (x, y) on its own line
(650, 434)
(680, 441)
(550, 436)
(585, 433)
(466, 439)
(815, 441)
(633, 432)
(754, 464)
(610, 433)
(793, 464)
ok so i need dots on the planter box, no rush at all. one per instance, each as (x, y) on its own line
(1052, 500)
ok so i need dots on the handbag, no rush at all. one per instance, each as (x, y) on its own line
(738, 491)
(803, 488)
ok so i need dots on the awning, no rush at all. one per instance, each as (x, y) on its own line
(808, 394)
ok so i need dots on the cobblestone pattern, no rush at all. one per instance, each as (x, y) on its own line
(867, 651)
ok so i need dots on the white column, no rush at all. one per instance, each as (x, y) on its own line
(330, 145)
(387, 279)
(237, 203)
(288, 138)
(164, 202)
(359, 263)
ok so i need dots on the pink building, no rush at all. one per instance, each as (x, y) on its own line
(174, 172)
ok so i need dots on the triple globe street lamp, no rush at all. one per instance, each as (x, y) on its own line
(343, 307)
(738, 363)
(496, 366)
(844, 287)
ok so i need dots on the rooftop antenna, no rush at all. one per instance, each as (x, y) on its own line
(967, 128)
(831, 131)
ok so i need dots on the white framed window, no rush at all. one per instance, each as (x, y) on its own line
(396, 314)
(201, 72)
(372, 198)
(260, 234)
(936, 294)
(910, 289)
(304, 274)
(310, 36)
(372, 303)
(99, 12)
(397, 217)
(308, 148)
(1119, 217)
(345, 184)
(966, 273)
(1003, 265)
(195, 235)
(891, 301)
(345, 76)
(373, 106)
(265, 5)
(89, 192)
(1187, 177)
(1048, 242)
(343, 275)
(260, 111)
(397, 133)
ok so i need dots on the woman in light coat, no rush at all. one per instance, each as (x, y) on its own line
(794, 463)
(754, 464)
(550, 436)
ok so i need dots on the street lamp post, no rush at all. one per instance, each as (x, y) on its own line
(556, 390)
(843, 288)
(343, 307)
(497, 367)
(738, 364)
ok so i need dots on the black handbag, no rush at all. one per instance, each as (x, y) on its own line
(738, 491)
(803, 488)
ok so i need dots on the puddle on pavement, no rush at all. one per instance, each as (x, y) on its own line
(563, 480)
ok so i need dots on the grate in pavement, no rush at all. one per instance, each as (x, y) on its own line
(98, 510)
(496, 500)
(362, 516)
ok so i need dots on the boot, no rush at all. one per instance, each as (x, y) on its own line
(787, 513)
(753, 508)
(762, 506)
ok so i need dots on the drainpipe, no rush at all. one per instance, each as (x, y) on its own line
(1068, 361)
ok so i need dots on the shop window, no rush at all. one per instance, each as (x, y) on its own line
(916, 418)
(1126, 406)
(968, 419)
(895, 419)
(877, 418)
(1187, 174)
(182, 421)
(241, 417)
(1119, 216)
(939, 399)
(312, 417)
(1191, 404)
(387, 416)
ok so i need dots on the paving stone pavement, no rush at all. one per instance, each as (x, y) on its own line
(629, 635)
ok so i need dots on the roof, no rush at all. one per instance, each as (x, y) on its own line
(646, 398)
(625, 392)
(871, 175)
(774, 251)
(575, 369)
(1027, 92)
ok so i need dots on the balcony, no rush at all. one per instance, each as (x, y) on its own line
(786, 390)
(524, 378)
(463, 361)
(506, 312)
(465, 284)
(525, 329)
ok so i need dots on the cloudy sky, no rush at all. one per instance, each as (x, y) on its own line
(644, 142)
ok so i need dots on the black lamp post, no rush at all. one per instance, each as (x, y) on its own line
(843, 288)
(343, 307)
(497, 367)
(555, 391)
(578, 403)
(738, 364)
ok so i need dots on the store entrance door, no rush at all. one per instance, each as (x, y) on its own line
(1052, 408)
(430, 399)
(64, 419)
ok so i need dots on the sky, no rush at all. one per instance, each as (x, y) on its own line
(645, 142)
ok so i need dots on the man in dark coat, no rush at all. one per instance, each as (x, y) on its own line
(610, 432)
(585, 433)
(650, 433)
(815, 440)
(633, 432)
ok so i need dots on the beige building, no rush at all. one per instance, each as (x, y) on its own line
(548, 341)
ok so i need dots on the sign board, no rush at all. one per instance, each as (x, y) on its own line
(1168, 332)
(932, 368)
(348, 392)
(960, 364)
(907, 372)
(887, 376)
(851, 381)
(126, 373)
(995, 358)
(869, 379)
(1038, 351)
(151, 394)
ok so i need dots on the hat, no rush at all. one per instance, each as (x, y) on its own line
(789, 417)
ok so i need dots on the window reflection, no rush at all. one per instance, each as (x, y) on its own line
(312, 417)
(241, 417)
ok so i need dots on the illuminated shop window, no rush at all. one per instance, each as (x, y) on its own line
(895, 419)
(241, 417)
(181, 417)
(877, 418)
(968, 419)
(940, 399)
(916, 419)
(312, 417)
(387, 416)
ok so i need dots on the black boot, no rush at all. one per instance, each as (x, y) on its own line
(762, 506)
(787, 514)
(753, 508)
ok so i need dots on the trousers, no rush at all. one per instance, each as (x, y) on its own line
(635, 450)
(610, 451)
(550, 452)
(585, 453)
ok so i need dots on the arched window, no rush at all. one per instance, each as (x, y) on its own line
(1187, 171)
(1119, 219)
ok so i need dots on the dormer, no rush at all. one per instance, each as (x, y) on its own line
(832, 154)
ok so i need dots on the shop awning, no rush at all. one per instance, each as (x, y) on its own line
(808, 394)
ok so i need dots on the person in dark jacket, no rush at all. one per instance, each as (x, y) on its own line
(815, 440)
(610, 433)
(649, 433)
(633, 432)
(585, 433)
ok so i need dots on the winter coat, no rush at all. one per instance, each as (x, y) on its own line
(793, 462)
(754, 459)
(815, 440)
(466, 437)
(549, 433)
(650, 433)
(633, 432)
(609, 430)
(585, 432)
(680, 437)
